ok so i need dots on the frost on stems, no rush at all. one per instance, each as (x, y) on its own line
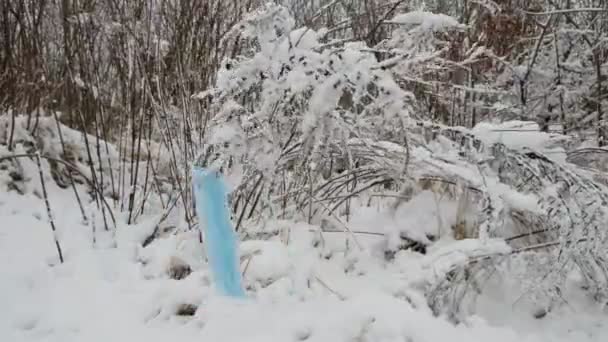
(285, 104)
(311, 124)
(48, 208)
(568, 224)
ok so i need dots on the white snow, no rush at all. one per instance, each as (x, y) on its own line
(121, 292)
(427, 20)
(518, 135)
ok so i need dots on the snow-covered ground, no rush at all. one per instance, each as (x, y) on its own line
(112, 289)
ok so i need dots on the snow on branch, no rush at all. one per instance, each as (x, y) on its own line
(426, 21)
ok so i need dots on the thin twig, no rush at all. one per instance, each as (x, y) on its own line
(341, 297)
(72, 183)
(48, 207)
(568, 11)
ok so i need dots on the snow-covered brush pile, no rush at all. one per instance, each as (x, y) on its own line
(307, 128)
(97, 172)
(40, 150)
(61, 146)
(551, 212)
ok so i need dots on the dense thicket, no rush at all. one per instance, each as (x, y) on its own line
(311, 104)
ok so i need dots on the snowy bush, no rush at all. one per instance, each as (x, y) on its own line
(289, 106)
(307, 127)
